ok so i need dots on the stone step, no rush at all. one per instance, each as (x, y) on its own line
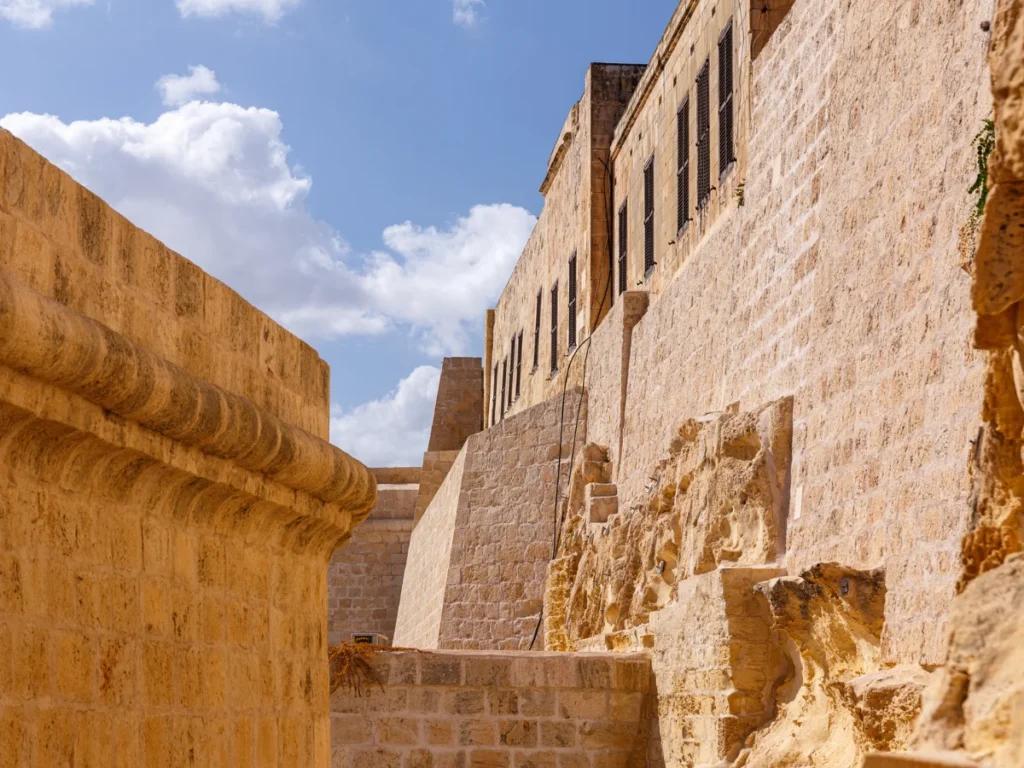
(596, 490)
(600, 508)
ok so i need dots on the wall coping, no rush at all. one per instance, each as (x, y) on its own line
(45, 340)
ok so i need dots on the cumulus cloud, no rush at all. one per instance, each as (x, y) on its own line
(466, 13)
(35, 14)
(213, 181)
(270, 10)
(394, 430)
(176, 90)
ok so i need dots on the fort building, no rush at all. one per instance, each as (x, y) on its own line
(742, 420)
(737, 481)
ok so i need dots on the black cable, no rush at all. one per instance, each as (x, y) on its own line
(583, 387)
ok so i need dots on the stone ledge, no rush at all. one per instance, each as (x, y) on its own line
(49, 342)
(918, 760)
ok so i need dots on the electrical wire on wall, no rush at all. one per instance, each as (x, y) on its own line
(559, 520)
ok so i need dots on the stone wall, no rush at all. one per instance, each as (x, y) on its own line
(574, 220)
(839, 282)
(62, 241)
(479, 555)
(364, 581)
(418, 623)
(165, 525)
(498, 710)
(648, 133)
(459, 409)
(458, 413)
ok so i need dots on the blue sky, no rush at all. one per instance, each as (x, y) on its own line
(366, 171)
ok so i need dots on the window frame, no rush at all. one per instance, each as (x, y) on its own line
(624, 246)
(536, 331)
(683, 202)
(650, 261)
(726, 104)
(573, 300)
(554, 329)
(704, 135)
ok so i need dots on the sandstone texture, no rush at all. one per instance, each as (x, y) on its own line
(797, 488)
(168, 503)
(975, 705)
(719, 499)
(494, 710)
(364, 580)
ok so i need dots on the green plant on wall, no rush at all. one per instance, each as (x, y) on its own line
(983, 144)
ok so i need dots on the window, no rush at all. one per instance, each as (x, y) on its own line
(726, 149)
(494, 396)
(649, 216)
(623, 238)
(703, 136)
(518, 370)
(683, 165)
(504, 375)
(572, 302)
(536, 335)
(554, 329)
(512, 373)
(519, 367)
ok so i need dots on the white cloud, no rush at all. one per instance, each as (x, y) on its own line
(394, 430)
(35, 14)
(176, 90)
(213, 181)
(270, 10)
(466, 13)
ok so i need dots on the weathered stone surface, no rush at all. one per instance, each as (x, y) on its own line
(165, 517)
(719, 499)
(479, 555)
(835, 703)
(976, 703)
(493, 709)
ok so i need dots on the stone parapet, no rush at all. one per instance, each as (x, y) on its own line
(448, 709)
(167, 505)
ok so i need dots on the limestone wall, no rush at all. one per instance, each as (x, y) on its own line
(62, 241)
(458, 411)
(451, 709)
(364, 581)
(165, 522)
(478, 557)
(574, 220)
(418, 622)
(839, 282)
(648, 134)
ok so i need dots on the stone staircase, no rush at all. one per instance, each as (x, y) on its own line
(600, 495)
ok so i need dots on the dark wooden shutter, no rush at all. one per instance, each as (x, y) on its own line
(504, 376)
(494, 396)
(703, 136)
(536, 334)
(726, 148)
(623, 243)
(519, 367)
(572, 302)
(554, 328)
(512, 373)
(649, 216)
(683, 172)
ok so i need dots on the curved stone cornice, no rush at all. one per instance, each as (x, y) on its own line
(47, 341)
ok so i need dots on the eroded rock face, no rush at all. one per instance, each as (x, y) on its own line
(719, 499)
(837, 704)
(976, 703)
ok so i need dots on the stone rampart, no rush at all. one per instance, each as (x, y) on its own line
(500, 710)
(165, 516)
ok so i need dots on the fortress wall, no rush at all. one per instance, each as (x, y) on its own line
(165, 520)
